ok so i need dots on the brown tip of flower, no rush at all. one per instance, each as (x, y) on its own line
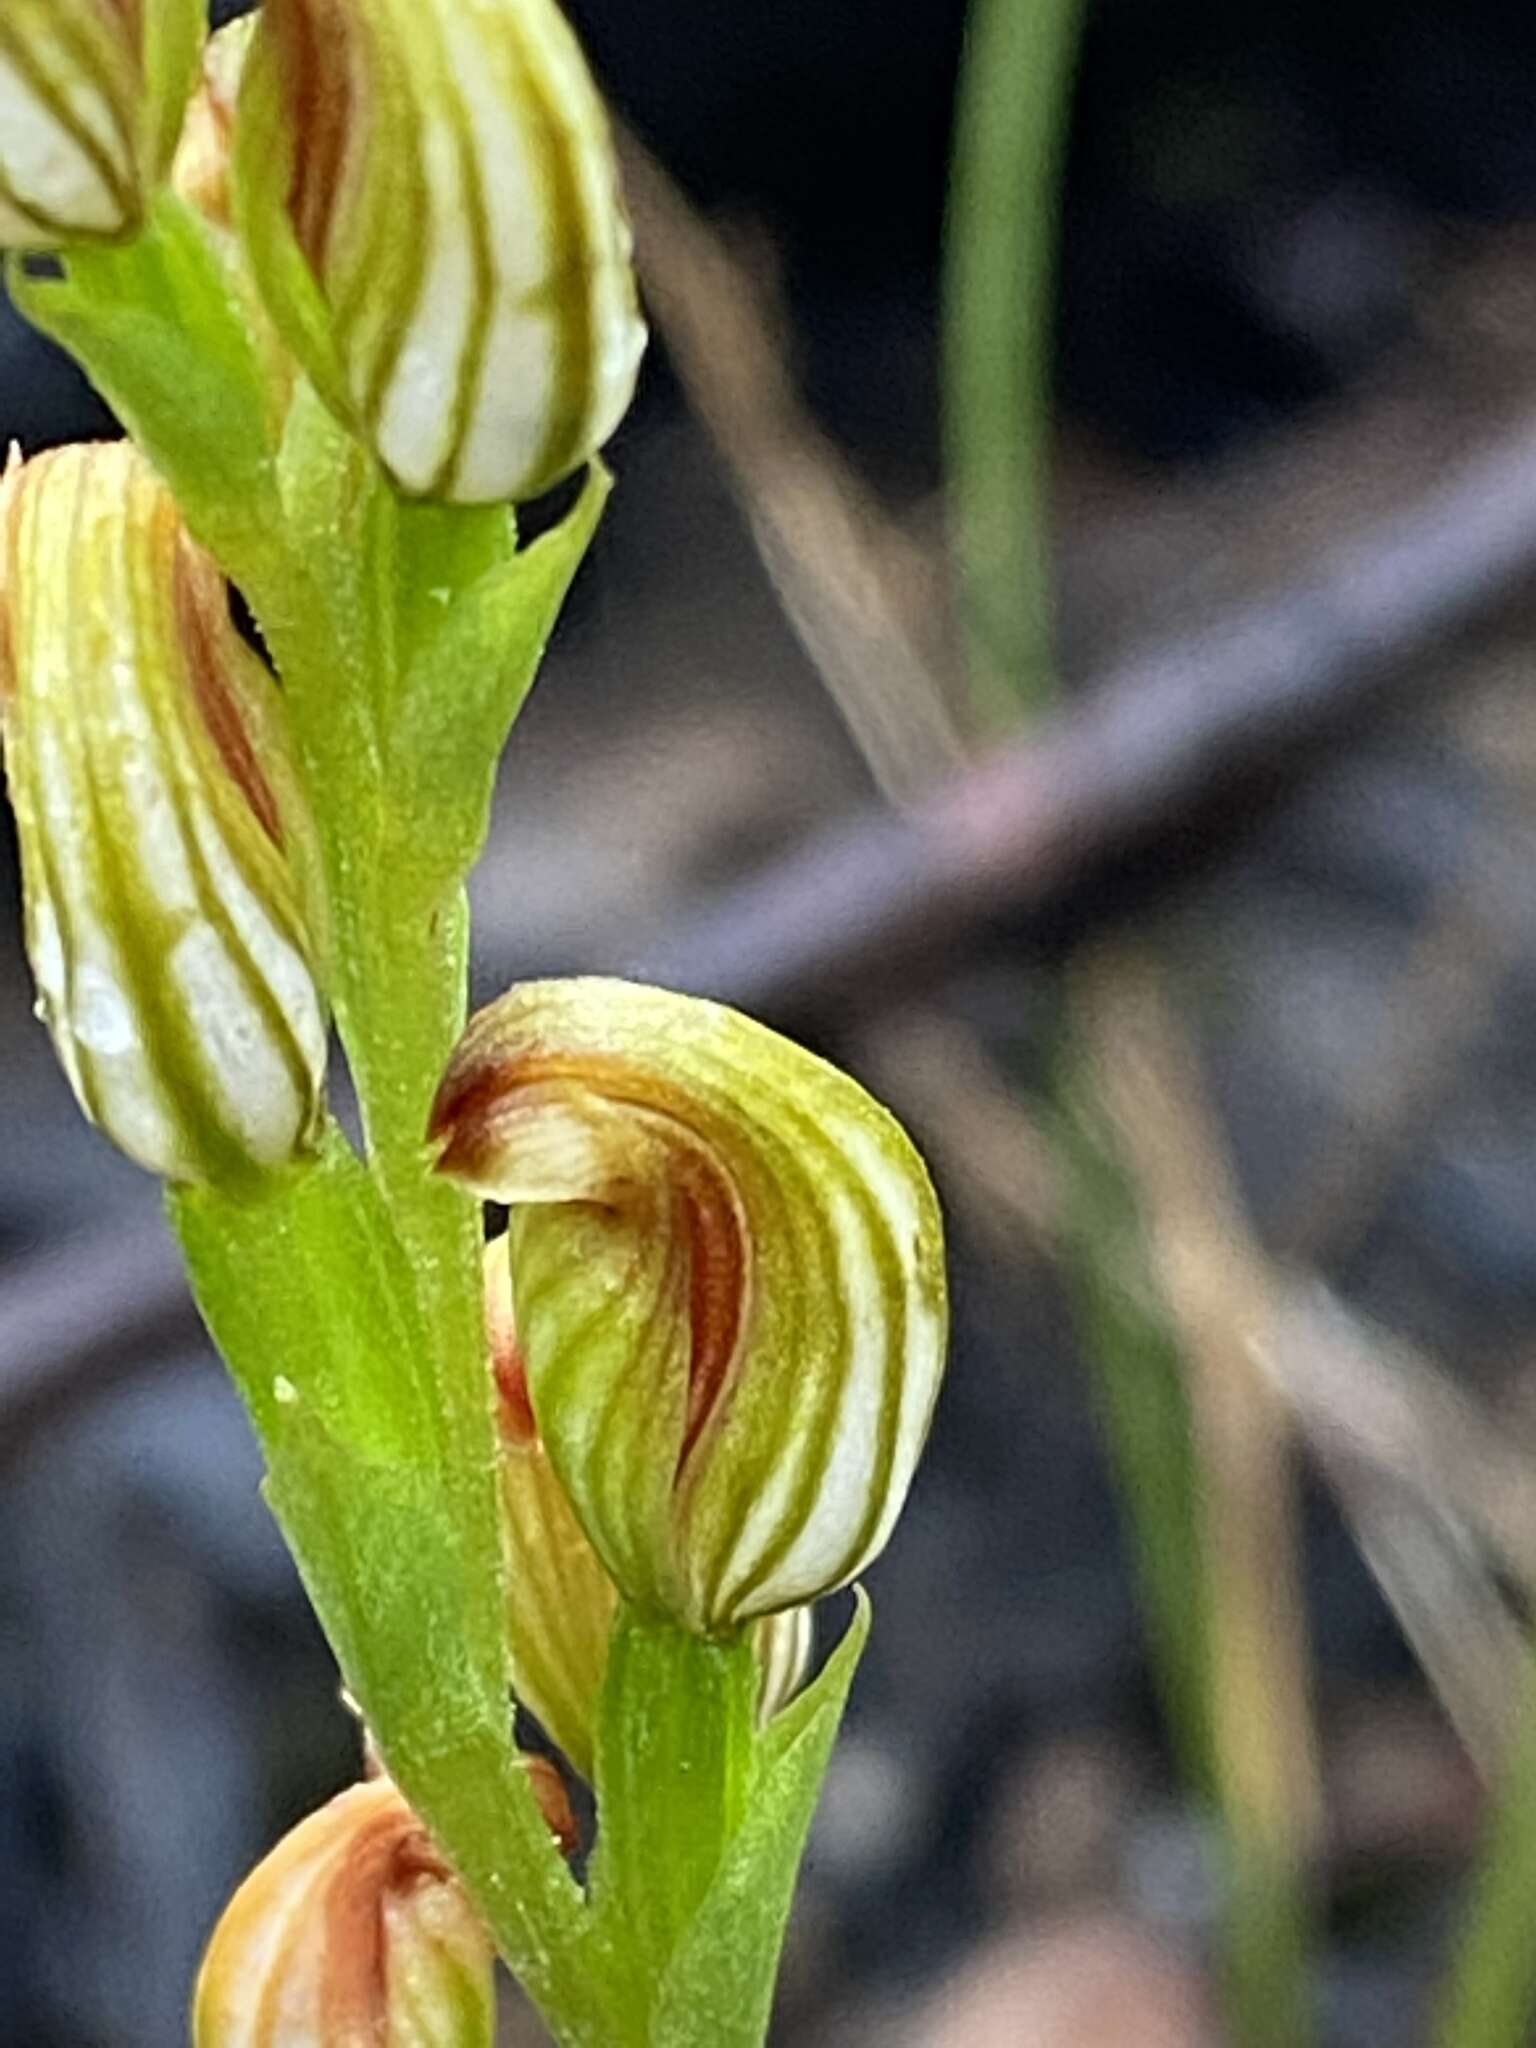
(463, 1116)
(390, 1853)
(554, 1803)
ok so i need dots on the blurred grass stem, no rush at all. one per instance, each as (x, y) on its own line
(1492, 1989)
(1011, 126)
(1219, 1300)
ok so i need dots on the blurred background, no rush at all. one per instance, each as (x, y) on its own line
(1274, 861)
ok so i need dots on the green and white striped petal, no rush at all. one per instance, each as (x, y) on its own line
(561, 1603)
(728, 1268)
(92, 94)
(785, 1644)
(428, 192)
(167, 857)
(353, 1930)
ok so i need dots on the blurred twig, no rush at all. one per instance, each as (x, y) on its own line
(1167, 728)
(865, 599)
(980, 1137)
(1439, 1499)
(1437, 1006)
(1219, 1298)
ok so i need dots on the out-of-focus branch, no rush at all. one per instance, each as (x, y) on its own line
(861, 909)
(1217, 1295)
(867, 602)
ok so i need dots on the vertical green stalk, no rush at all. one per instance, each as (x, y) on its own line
(1143, 1409)
(1490, 1998)
(1005, 200)
(1011, 131)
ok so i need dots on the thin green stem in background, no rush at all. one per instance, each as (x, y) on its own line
(1006, 199)
(1491, 1997)
(1005, 202)
(1143, 1409)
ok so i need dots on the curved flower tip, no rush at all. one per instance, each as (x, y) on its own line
(429, 198)
(728, 1268)
(352, 1930)
(92, 94)
(167, 856)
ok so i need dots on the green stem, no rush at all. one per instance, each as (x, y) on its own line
(1143, 1405)
(1491, 1995)
(1011, 129)
(1010, 135)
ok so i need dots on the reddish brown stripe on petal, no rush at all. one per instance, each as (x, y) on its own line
(514, 1403)
(353, 1987)
(476, 1096)
(131, 14)
(463, 1113)
(202, 617)
(717, 1262)
(478, 1090)
(314, 55)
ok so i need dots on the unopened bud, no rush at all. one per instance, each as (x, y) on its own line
(728, 1267)
(91, 100)
(561, 1603)
(353, 1930)
(167, 857)
(429, 198)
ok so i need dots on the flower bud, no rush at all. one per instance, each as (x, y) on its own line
(167, 857)
(91, 100)
(561, 1603)
(430, 201)
(352, 1930)
(728, 1268)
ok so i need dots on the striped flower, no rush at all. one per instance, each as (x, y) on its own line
(167, 857)
(561, 1603)
(91, 100)
(429, 198)
(729, 1277)
(352, 1931)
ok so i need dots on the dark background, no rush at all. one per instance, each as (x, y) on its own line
(1275, 220)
